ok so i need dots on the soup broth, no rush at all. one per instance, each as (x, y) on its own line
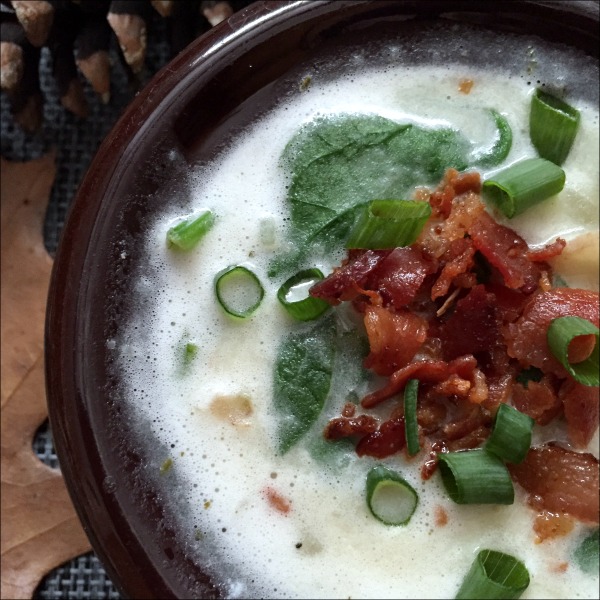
(297, 525)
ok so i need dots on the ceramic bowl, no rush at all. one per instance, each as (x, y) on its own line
(203, 98)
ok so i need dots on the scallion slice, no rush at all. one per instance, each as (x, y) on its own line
(389, 224)
(494, 574)
(390, 498)
(553, 126)
(511, 436)
(238, 291)
(306, 308)
(410, 417)
(560, 334)
(524, 184)
(475, 477)
(188, 233)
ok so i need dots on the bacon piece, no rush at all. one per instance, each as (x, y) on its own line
(547, 252)
(458, 259)
(344, 282)
(538, 400)
(394, 338)
(277, 501)
(526, 338)
(436, 236)
(550, 525)
(560, 481)
(581, 410)
(343, 427)
(472, 327)
(398, 277)
(509, 303)
(453, 184)
(389, 438)
(506, 250)
(426, 371)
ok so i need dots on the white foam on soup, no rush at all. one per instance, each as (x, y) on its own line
(217, 423)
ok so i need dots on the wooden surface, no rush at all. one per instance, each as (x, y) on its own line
(40, 529)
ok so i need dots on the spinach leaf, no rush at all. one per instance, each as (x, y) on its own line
(302, 379)
(587, 553)
(340, 163)
(501, 146)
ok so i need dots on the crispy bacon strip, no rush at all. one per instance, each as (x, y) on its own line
(426, 371)
(472, 327)
(581, 411)
(507, 251)
(344, 283)
(394, 338)
(560, 481)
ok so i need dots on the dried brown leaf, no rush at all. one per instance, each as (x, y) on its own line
(40, 529)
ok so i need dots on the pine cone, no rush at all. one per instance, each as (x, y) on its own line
(80, 36)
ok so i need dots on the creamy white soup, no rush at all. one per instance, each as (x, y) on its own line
(296, 525)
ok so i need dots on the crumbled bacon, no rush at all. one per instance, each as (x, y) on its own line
(581, 410)
(539, 400)
(464, 310)
(388, 439)
(560, 481)
(394, 338)
(506, 251)
(344, 282)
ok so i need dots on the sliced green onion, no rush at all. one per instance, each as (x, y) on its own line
(553, 126)
(524, 184)
(494, 574)
(475, 477)
(390, 498)
(188, 233)
(389, 224)
(306, 308)
(561, 333)
(239, 291)
(410, 417)
(499, 151)
(586, 555)
(510, 439)
(558, 281)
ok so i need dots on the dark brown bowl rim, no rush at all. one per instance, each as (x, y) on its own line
(77, 443)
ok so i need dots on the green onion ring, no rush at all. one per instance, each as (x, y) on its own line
(308, 308)
(251, 290)
(493, 575)
(510, 439)
(524, 184)
(389, 224)
(561, 332)
(553, 125)
(390, 498)
(188, 233)
(475, 477)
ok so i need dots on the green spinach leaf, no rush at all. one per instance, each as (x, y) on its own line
(302, 380)
(340, 163)
(587, 553)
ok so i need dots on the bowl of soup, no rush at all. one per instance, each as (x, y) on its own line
(218, 443)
